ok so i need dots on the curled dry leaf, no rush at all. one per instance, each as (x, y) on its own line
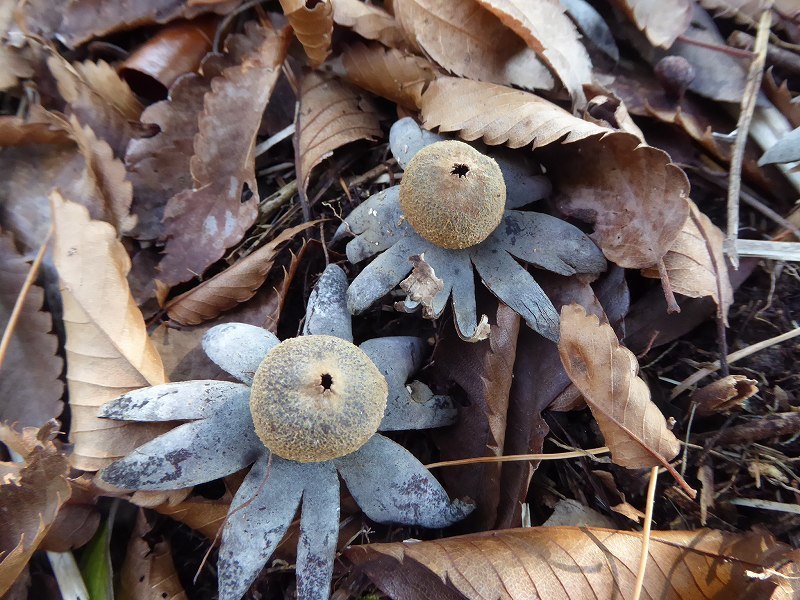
(550, 33)
(562, 563)
(696, 264)
(368, 21)
(331, 114)
(468, 40)
(174, 51)
(202, 222)
(148, 570)
(312, 23)
(108, 351)
(30, 374)
(724, 394)
(484, 371)
(662, 21)
(389, 73)
(31, 494)
(605, 373)
(631, 192)
(238, 283)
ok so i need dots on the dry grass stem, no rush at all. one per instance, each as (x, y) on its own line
(648, 520)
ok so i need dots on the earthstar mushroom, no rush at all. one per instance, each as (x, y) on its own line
(222, 436)
(426, 217)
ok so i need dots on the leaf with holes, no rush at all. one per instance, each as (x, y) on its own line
(202, 222)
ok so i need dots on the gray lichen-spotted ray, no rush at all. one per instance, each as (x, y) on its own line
(380, 227)
(386, 481)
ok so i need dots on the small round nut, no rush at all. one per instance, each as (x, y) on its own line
(453, 195)
(675, 74)
(317, 397)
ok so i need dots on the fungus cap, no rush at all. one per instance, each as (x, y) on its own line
(453, 195)
(317, 397)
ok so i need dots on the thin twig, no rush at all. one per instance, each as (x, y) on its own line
(23, 294)
(648, 520)
(769, 250)
(732, 357)
(765, 210)
(748, 105)
(519, 457)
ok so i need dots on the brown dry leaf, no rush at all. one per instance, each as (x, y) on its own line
(238, 283)
(31, 494)
(16, 131)
(15, 63)
(633, 193)
(696, 264)
(99, 99)
(661, 20)
(368, 21)
(331, 114)
(312, 22)
(468, 40)
(484, 371)
(159, 166)
(555, 563)
(107, 192)
(148, 571)
(202, 222)
(108, 351)
(86, 19)
(201, 514)
(389, 73)
(605, 373)
(724, 394)
(30, 375)
(550, 33)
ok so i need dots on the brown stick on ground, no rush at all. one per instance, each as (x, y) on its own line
(769, 426)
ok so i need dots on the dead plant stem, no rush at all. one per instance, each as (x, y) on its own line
(518, 457)
(23, 294)
(648, 521)
(748, 105)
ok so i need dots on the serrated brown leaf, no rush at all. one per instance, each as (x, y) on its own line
(388, 72)
(368, 21)
(696, 264)
(31, 495)
(662, 21)
(312, 23)
(108, 193)
(99, 99)
(468, 40)
(484, 371)
(632, 193)
(30, 375)
(202, 222)
(108, 351)
(159, 166)
(236, 284)
(331, 114)
(605, 373)
(550, 33)
(564, 563)
(149, 571)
